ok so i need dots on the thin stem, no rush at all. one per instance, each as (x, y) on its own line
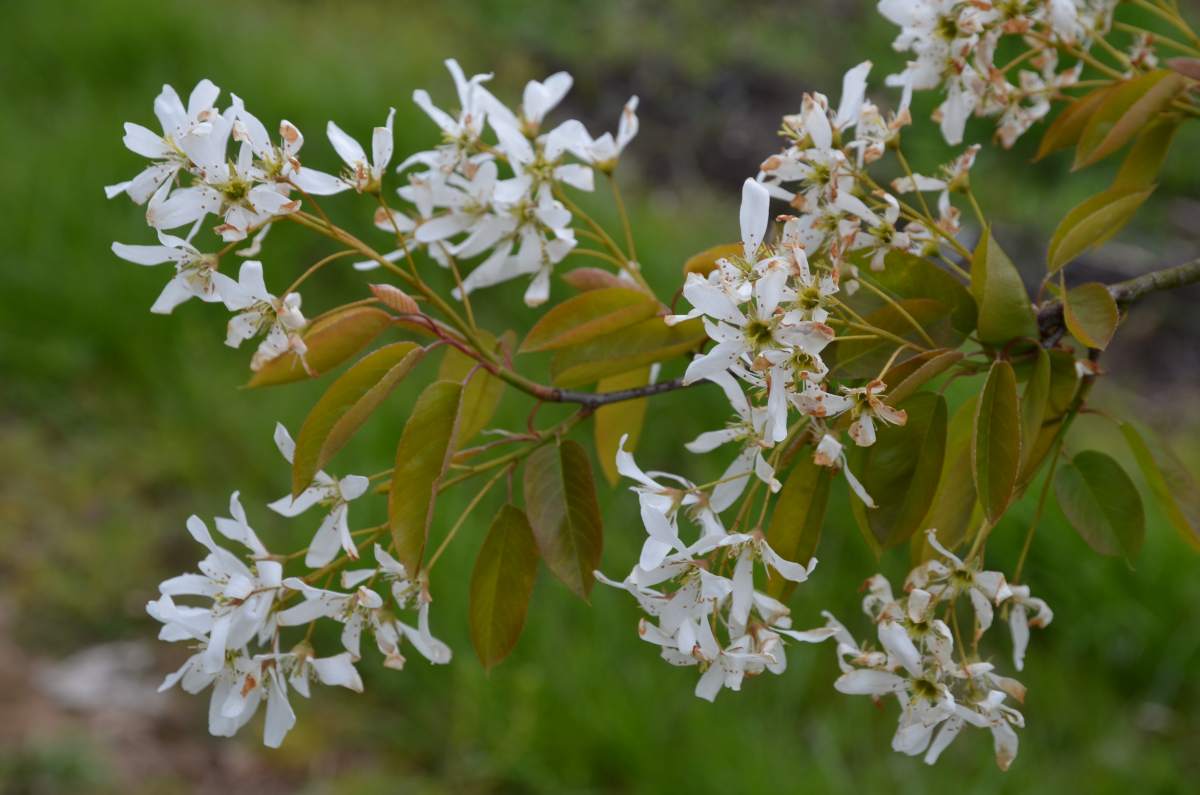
(1159, 38)
(620, 203)
(912, 178)
(1037, 514)
(463, 517)
(900, 310)
(316, 267)
(1172, 18)
(589, 252)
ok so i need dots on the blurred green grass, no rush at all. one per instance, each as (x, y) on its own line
(116, 424)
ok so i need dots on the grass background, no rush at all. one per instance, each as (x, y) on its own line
(116, 424)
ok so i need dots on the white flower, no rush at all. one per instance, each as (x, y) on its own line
(1020, 604)
(869, 406)
(196, 274)
(281, 162)
(258, 310)
(363, 173)
(177, 124)
(830, 453)
(984, 588)
(460, 133)
(605, 152)
(324, 490)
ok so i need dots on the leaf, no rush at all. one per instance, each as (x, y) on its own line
(864, 358)
(1064, 379)
(795, 528)
(1172, 485)
(996, 445)
(954, 501)
(641, 344)
(1125, 111)
(908, 276)
(1034, 403)
(1188, 67)
(1005, 312)
(346, 405)
(330, 340)
(396, 299)
(584, 279)
(618, 419)
(1092, 223)
(906, 378)
(1067, 128)
(482, 394)
(1140, 169)
(501, 585)
(1091, 314)
(704, 262)
(901, 472)
(421, 458)
(587, 316)
(560, 496)
(1101, 503)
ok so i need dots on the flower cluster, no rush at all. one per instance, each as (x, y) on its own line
(466, 208)
(235, 608)
(954, 45)
(916, 659)
(702, 594)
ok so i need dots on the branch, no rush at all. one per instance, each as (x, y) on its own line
(1050, 316)
(594, 400)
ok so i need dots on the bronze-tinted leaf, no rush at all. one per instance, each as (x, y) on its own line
(330, 340)
(421, 457)
(1092, 223)
(795, 528)
(615, 420)
(501, 585)
(954, 503)
(1172, 484)
(996, 445)
(482, 394)
(1066, 129)
(1035, 402)
(639, 345)
(560, 497)
(1125, 111)
(589, 315)
(1005, 312)
(1091, 314)
(704, 262)
(905, 379)
(1101, 503)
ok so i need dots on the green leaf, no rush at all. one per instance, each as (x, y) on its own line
(1066, 130)
(613, 421)
(901, 472)
(421, 458)
(909, 276)
(1064, 379)
(704, 262)
(1169, 480)
(1091, 314)
(501, 585)
(1092, 223)
(482, 394)
(906, 378)
(346, 405)
(639, 345)
(1125, 111)
(996, 445)
(1140, 169)
(1034, 403)
(1101, 503)
(954, 501)
(1005, 312)
(864, 358)
(587, 316)
(560, 496)
(795, 528)
(330, 340)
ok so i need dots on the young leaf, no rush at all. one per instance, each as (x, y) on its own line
(395, 299)
(587, 316)
(501, 585)
(1101, 503)
(483, 392)
(1034, 403)
(1068, 127)
(641, 344)
(1170, 482)
(615, 420)
(909, 276)
(584, 279)
(1092, 223)
(954, 502)
(901, 472)
(1125, 111)
(1005, 312)
(864, 358)
(704, 262)
(906, 378)
(1140, 169)
(346, 405)
(1091, 314)
(996, 445)
(1188, 67)
(421, 457)
(795, 527)
(560, 496)
(330, 340)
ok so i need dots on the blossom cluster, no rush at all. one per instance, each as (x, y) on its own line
(916, 661)
(954, 45)
(233, 611)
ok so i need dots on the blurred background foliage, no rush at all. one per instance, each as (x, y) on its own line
(116, 424)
